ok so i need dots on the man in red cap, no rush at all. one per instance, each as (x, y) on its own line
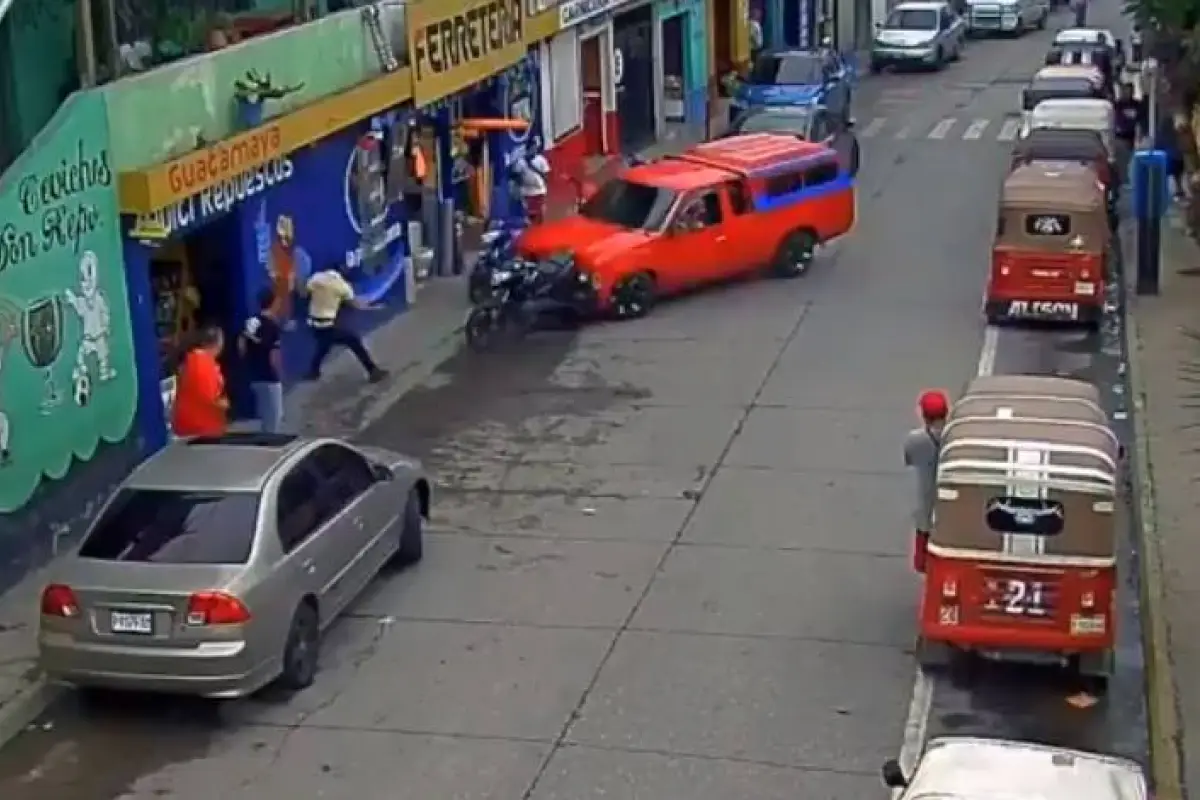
(921, 448)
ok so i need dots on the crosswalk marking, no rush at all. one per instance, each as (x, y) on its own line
(902, 133)
(1008, 131)
(975, 129)
(941, 130)
(875, 126)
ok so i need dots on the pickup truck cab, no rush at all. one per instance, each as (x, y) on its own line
(717, 211)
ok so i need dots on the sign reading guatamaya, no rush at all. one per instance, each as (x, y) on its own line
(456, 44)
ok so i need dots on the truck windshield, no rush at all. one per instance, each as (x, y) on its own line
(630, 205)
(788, 69)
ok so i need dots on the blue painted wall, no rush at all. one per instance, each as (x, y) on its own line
(696, 55)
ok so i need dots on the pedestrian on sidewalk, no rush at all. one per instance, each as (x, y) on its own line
(1166, 138)
(1132, 123)
(533, 172)
(328, 292)
(259, 346)
(1080, 7)
(922, 447)
(201, 406)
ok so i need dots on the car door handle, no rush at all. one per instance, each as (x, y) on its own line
(309, 566)
(359, 523)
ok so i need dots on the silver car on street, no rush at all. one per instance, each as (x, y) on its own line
(215, 567)
(918, 34)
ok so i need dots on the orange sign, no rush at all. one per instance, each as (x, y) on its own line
(223, 161)
(155, 187)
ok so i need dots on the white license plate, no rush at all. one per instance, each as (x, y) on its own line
(1085, 625)
(1085, 287)
(131, 622)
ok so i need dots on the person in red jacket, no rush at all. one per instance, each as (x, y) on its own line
(201, 405)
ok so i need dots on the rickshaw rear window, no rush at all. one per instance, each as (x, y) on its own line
(1022, 515)
(1048, 224)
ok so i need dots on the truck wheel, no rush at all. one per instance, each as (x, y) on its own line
(796, 254)
(634, 296)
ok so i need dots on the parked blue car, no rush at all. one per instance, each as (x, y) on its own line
(796, 78)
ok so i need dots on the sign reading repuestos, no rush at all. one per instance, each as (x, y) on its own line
(457, 43)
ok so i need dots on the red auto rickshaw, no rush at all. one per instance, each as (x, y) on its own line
(1022, 556)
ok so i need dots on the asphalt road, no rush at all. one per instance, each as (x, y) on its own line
(671, 556)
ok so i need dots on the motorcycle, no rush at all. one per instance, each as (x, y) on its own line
(499, 249)
(524, 294)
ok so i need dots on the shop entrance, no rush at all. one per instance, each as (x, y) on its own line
(674, 67)
(633, 38)
(196, 282)
(591, 73)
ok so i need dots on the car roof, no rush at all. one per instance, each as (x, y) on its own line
(753, 154)
(1078, 35)
(997, 769)
(675, 174)
(236, 462)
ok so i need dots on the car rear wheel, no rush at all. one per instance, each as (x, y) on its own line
(412, 532)
(796, 254)
(302, 651)
(634, 296)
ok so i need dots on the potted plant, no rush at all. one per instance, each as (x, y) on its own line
(252, 90)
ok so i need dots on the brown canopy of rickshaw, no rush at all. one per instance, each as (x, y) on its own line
(1028, 468)
(1046, 184)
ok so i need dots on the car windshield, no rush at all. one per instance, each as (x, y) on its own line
(629, 204)
(912, 19)
(794, 122)
(168, 526)
(789, 68)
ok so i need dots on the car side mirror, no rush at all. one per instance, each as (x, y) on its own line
(382, 472)
(850, 123)
(878, 26)
(893, 776)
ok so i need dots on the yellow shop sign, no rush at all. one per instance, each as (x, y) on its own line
(456, 43)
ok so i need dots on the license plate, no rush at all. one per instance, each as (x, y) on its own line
(1085, 287)
(132, 622)
(1085, 625)
(1042, 309)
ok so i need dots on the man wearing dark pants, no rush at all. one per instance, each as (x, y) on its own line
(328, 291)
(259, 346)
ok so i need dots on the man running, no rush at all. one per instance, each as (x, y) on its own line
(921, 449)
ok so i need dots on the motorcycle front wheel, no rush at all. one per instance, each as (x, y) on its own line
(483, 327)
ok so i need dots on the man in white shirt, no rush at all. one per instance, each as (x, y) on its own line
(327, 292)
(533, 172)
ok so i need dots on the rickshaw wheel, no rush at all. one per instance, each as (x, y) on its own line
(933, 655)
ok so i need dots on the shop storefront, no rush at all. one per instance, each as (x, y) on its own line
(682, 32)
(729, 39)
(204, 257)
(477, 113)
(638, 84)
(580, 73)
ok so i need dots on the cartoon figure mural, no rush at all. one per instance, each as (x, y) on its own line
(92, 307)
(67, 375)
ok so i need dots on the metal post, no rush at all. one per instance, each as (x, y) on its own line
(1150, 89)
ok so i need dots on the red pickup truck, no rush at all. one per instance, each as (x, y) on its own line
(722, 209)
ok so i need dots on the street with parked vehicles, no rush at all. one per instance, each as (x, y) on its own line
(667, 550)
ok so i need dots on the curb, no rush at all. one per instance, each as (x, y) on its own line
(19, 711)
(1165, 733)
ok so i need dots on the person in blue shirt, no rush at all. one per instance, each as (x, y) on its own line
(260, 349)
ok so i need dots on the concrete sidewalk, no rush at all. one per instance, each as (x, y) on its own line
(1164, 359)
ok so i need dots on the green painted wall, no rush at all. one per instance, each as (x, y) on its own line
(68, 379)
(162, 114)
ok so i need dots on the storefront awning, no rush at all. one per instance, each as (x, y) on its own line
(153, 188)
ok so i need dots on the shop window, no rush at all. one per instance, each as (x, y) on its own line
(565, 83)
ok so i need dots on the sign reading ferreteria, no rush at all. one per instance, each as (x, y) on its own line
(455, 43)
